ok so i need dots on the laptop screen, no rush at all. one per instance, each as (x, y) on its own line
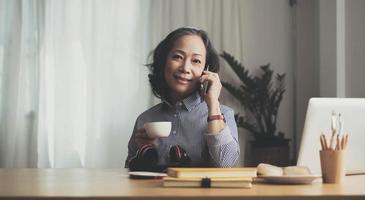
(318, 120)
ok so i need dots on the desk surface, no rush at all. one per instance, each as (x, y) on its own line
(115, 184)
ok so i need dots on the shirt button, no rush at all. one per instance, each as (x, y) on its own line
(175, 115)
(174, 132)
(180, 104)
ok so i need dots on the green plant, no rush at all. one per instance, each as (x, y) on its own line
(260, 97)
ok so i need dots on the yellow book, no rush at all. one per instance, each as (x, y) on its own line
(211, 172)
(241, 182)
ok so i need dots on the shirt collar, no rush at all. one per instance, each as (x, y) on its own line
(189, 102)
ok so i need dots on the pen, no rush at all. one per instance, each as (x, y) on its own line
(334, 131)
(340, 124)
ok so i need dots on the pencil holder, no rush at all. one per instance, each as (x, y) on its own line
(332, 165)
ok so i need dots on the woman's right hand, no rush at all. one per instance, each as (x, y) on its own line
(141, 138)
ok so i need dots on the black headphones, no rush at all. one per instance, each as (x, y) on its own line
(179, 157)
(147, 157)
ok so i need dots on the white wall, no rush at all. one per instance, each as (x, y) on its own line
(355, 48)
(327, 48)
(342, 48)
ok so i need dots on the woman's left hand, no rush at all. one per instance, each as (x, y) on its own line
(214, 88)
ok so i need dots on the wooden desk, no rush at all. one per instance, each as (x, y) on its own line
(115, 184)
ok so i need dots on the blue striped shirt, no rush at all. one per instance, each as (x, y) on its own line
(189, 130)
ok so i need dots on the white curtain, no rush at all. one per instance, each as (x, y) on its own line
(72, 81)
(19, 59)
(221, 19)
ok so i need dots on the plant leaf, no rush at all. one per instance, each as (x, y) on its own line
(259, 95)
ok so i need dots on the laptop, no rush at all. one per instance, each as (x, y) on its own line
(318, 120)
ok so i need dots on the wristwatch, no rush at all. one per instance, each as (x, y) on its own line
(216, 117)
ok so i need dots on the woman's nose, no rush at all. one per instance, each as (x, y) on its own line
(186, 66)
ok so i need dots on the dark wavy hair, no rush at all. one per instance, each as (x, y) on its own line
(156, 76)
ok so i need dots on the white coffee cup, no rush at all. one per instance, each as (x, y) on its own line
(157, 129)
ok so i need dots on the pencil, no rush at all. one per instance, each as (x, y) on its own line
(322, 142)
(325, 145)
(342, 142)
(338, 143)
(346, 140)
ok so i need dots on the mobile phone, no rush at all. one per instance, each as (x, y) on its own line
(204, 85)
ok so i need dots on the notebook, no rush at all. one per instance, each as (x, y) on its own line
(211, 172)
(240, 182)
(318, 119)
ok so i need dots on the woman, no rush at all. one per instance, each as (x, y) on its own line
(204, 133)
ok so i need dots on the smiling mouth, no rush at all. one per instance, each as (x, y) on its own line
(181, 79)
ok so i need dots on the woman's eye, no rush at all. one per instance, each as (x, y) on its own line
(177, 57)
(197, 61)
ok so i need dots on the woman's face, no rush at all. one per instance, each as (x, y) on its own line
(184, 65)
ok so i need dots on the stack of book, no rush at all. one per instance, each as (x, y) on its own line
(210, 177)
